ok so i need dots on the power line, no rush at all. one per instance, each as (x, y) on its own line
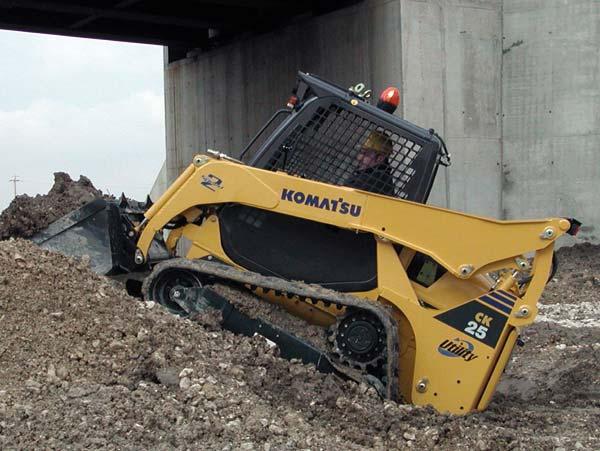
(14, 181)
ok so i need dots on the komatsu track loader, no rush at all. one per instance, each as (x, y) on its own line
(326, 216)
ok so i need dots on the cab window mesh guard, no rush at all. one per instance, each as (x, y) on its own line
(330, 146)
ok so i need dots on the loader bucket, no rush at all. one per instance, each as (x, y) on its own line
(96, 230)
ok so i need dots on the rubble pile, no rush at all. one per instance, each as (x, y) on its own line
(26, 215)
(84, 365)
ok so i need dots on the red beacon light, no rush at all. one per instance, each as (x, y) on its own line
(292, 101)
(389, 100)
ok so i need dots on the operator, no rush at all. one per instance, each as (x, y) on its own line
(373, 172)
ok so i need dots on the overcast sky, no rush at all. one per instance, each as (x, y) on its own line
(81, 106)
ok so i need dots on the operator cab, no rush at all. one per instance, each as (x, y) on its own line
(328, 127)
(330, 135)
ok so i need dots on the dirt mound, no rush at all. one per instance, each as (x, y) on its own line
(26, 215)
(84, 365)
(578, 276)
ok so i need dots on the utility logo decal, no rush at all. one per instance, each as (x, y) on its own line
(212, 182)
(457, 348)
(324, 203)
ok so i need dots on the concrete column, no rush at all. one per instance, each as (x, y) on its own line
(551, 103)
(512, 85)
(451, 74)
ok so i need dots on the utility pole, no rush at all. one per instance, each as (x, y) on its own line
(14, 181)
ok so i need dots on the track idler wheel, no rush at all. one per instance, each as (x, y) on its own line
(168, 287)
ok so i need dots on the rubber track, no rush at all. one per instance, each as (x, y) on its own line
(303, 291)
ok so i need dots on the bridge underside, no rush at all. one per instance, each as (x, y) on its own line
(181, 24)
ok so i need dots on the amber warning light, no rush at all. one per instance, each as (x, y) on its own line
(389, 100)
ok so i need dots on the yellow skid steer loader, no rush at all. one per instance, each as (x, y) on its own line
(326, 217)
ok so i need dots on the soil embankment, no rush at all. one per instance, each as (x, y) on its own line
(84, 365)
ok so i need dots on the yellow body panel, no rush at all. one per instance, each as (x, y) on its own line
(448, 357)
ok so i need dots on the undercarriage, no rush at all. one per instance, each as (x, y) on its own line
(363, 339)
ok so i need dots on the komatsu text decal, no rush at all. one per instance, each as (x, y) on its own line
(324, 203)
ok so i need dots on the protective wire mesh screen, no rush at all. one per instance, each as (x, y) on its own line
(337, 146)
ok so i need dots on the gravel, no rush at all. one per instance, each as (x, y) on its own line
(83, 365)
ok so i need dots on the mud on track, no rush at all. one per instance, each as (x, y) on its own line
(84, 365)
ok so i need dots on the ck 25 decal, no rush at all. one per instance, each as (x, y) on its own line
(477, 319)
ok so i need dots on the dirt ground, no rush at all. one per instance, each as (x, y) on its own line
(255, 307)
(84, 365)
(26, 215)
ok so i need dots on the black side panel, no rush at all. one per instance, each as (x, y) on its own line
(278, 245)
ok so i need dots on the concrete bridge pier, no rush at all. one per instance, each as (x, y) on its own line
(511, 85)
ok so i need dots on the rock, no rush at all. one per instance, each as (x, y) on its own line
(168, 376)
(185, 383)
(80, 391)
(482, 446)
(390, 408)
(33, 385)
(238, 372)
(277, 430)
(51, 376)
(342, 403)
(292, 419)
(234, 424)
(186, 372)
(159, 360)
(62, 372)
(358, 407)
(209, 391)
(142, 334)
(409, 436)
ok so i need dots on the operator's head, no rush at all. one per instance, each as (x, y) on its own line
(374, 150)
